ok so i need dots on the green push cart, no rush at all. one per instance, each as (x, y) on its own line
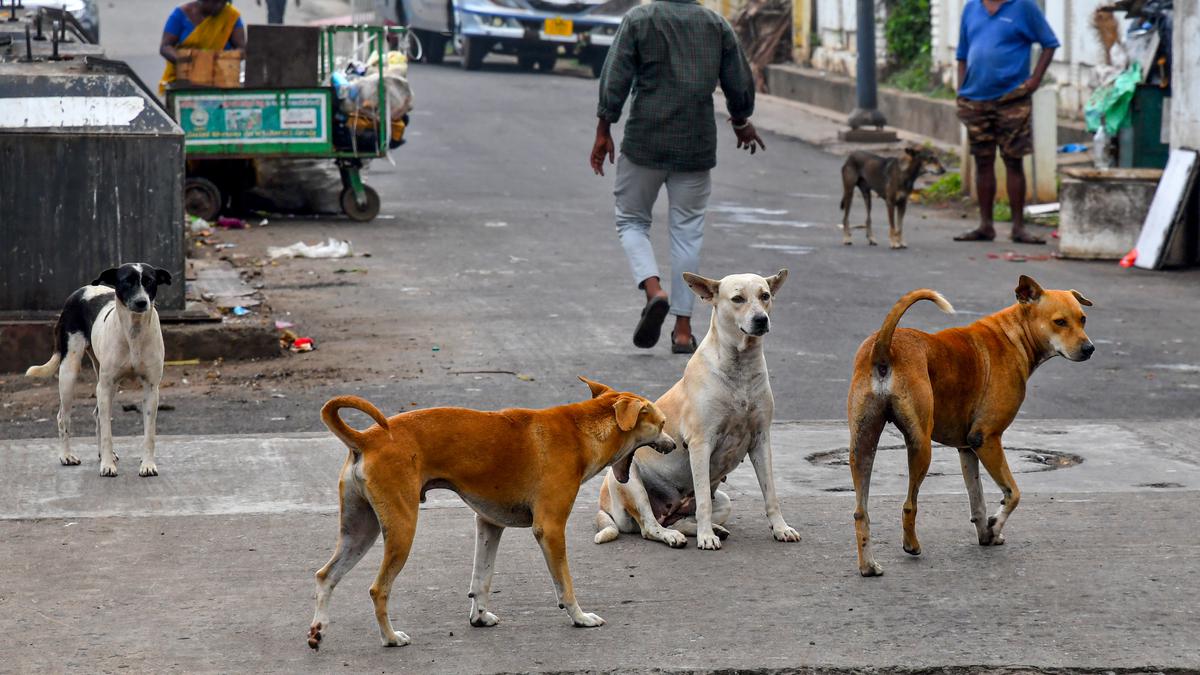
(225, 129)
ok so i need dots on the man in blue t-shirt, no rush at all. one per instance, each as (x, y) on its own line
(995, 93)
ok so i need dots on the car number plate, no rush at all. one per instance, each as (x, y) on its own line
(559, 26)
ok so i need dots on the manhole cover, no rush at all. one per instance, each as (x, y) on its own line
(1020, 460)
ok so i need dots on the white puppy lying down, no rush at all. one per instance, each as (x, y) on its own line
(719, 412)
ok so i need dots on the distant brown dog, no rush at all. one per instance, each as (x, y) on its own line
(515, 468)
(961, 387)
(890, 177)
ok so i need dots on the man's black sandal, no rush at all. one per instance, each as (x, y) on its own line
(650, 325)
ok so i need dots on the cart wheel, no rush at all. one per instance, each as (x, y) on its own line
(526, 61)
(546, 63)
(597, 67)
(367, 212)
(202, 198)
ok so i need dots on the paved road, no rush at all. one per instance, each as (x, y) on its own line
(496, 252)
(208, 568)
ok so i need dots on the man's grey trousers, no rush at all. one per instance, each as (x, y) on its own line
(636, 190)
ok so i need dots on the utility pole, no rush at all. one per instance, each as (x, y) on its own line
(867, 113)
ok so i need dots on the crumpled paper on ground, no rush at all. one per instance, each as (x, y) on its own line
(330, 249)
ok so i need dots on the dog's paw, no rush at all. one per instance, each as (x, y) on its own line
(68, 460)
(606, 535)
(721, 532)
(396, 640)
(484, 619)
(873, 569)
(673, 538)
(108, 470)
(990, 537)
(314, 636)
(148, 469)
(786, 533)
(708, 541)
(587, 620)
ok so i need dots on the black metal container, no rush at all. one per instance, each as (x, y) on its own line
(91, 175)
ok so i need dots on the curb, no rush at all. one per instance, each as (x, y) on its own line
(24, 343)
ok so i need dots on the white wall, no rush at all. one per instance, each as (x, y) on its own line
(1185, 78)
(836, 27)
(1070, 19)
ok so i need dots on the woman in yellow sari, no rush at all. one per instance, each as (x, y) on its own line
(200, 24)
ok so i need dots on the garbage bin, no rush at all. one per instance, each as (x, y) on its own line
(91, 175)
(1139, 144)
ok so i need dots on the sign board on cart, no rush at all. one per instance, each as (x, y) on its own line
(242, 122)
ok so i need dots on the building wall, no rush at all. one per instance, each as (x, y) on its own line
(1185, 78)
(1072, 69)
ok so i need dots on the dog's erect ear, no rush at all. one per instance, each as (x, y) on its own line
(1028, 290)
(774, 282)
(1082, 300)
(107, 278)
(627, 410)
(162, 277)
(597, 388)
(707, 289)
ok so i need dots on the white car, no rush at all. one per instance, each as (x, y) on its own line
(536, 31)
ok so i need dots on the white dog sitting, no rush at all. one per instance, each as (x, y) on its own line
(719, 412)
(114, 321)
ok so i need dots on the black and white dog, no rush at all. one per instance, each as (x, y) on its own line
(114, 321)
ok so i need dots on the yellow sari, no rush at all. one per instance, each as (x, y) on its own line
(212, 33)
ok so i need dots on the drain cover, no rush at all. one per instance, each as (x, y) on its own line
(1021, 460)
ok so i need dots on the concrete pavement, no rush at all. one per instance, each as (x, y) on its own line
(495, 256)
(208, 567)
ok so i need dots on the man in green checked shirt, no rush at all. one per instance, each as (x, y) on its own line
(670, 54)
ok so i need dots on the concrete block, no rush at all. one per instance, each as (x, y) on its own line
(1102, 211)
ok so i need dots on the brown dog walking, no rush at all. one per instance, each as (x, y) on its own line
(515, 468)
(960, 387)
(891, 178)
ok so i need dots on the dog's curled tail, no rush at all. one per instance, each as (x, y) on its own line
(351, 437)
(46, 369)
(50, 367)
(881, 353)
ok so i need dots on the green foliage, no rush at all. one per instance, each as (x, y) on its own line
(907, 32)
(910, 61)
(947, 188)
(1001, 211)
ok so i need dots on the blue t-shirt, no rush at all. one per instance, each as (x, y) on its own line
(996, 46)
(180, 25)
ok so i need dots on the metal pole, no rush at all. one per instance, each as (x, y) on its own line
(867, 113)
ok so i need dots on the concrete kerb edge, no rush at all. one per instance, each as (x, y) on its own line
(852, 670)
(933, 118)
(27, 343)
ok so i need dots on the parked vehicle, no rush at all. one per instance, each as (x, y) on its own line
(536, 31)
(84, 11)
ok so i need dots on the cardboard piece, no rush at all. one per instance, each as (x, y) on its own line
(1164, 222)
